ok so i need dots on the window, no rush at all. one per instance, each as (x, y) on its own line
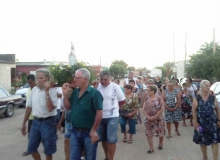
(2, 93)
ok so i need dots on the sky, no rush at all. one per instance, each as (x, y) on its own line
(142, 33)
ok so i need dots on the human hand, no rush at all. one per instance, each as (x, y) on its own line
(196, 125)
(46, 86)
(65, 88)
(23, 130)
(218, 124)
(59, 95)
(129, 115)
(59, 126)
(94, 136)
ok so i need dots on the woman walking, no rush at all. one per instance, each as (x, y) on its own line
(171, 98)
(128, 113)
(153, 108)
(206, 115)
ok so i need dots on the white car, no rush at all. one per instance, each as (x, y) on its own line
(22, 91)
(216, 89)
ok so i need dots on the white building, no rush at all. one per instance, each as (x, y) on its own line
(180, 69)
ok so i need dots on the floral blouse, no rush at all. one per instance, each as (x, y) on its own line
(131, 104)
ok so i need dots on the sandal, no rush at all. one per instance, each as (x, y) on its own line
(160, 147)
(150, 151)
(192, 124)
(125, 139)
(25, 153)
(130, 141)
(169, 136)
(184, 124)
(178, 133)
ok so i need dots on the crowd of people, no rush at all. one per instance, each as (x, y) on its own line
(90, 113)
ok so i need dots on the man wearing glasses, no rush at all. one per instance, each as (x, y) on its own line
(85, 103)
(113, 98)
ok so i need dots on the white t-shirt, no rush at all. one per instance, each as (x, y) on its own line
(59, 91)
(111, 94)
(193, 89)
(37, 101)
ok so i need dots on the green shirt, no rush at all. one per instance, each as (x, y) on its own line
(83, 109)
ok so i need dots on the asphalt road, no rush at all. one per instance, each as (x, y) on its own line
(13, 144)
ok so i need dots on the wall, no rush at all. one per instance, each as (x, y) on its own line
(27, 69)
(5, 78)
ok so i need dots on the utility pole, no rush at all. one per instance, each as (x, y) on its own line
(185, 57)
(213, 40)
(174, 56)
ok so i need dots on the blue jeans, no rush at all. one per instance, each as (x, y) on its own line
(108, 129)
(131, 124)
(79, 141)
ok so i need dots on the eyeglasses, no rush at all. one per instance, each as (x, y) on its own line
(76, 78)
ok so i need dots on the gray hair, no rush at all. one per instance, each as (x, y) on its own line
(203, 82)
(104, 73)
(44, 71)
(84, 72)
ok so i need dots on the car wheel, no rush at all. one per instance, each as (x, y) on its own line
(9, 110)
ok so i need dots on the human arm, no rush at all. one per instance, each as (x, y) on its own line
(93, 133)
(194, 111)
(178, 97)
(62, 119)
(66, 102)
(164, 100)
(26, 116)
(161, 103)
(50, 96)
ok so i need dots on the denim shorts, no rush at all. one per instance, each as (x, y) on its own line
(43, 131)
(58, 116)
(68, 129)
(108, 129)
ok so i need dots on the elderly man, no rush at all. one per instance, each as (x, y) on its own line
(86, 113)
(113, 98)
(42, 102)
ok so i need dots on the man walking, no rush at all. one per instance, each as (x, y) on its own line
(42, 102)
(86, 113)
(113, 98)
(31, 82)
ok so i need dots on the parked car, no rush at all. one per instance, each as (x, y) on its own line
(8, 102)
(216, 89)
(22, 91)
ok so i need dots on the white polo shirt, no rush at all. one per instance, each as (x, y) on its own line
(111, 94)
(37, 101)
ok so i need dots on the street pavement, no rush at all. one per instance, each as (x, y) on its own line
(13, 144)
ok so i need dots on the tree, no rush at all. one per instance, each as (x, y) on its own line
(131, 68)
(168, 65)
(121, 62)
(117, 71)
(205, 65)
(164, 71)
(142, 70)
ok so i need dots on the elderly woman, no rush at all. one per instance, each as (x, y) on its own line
(153, 108)
(171, 99)
(186, 104)
(128, 113)
(206, 115)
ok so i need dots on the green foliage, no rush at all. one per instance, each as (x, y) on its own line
(23, 79)
(121, 62)
(168, 65)
(117, 70)
(131, 68)
(142, 70)
(63, 73)
(205, 65)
